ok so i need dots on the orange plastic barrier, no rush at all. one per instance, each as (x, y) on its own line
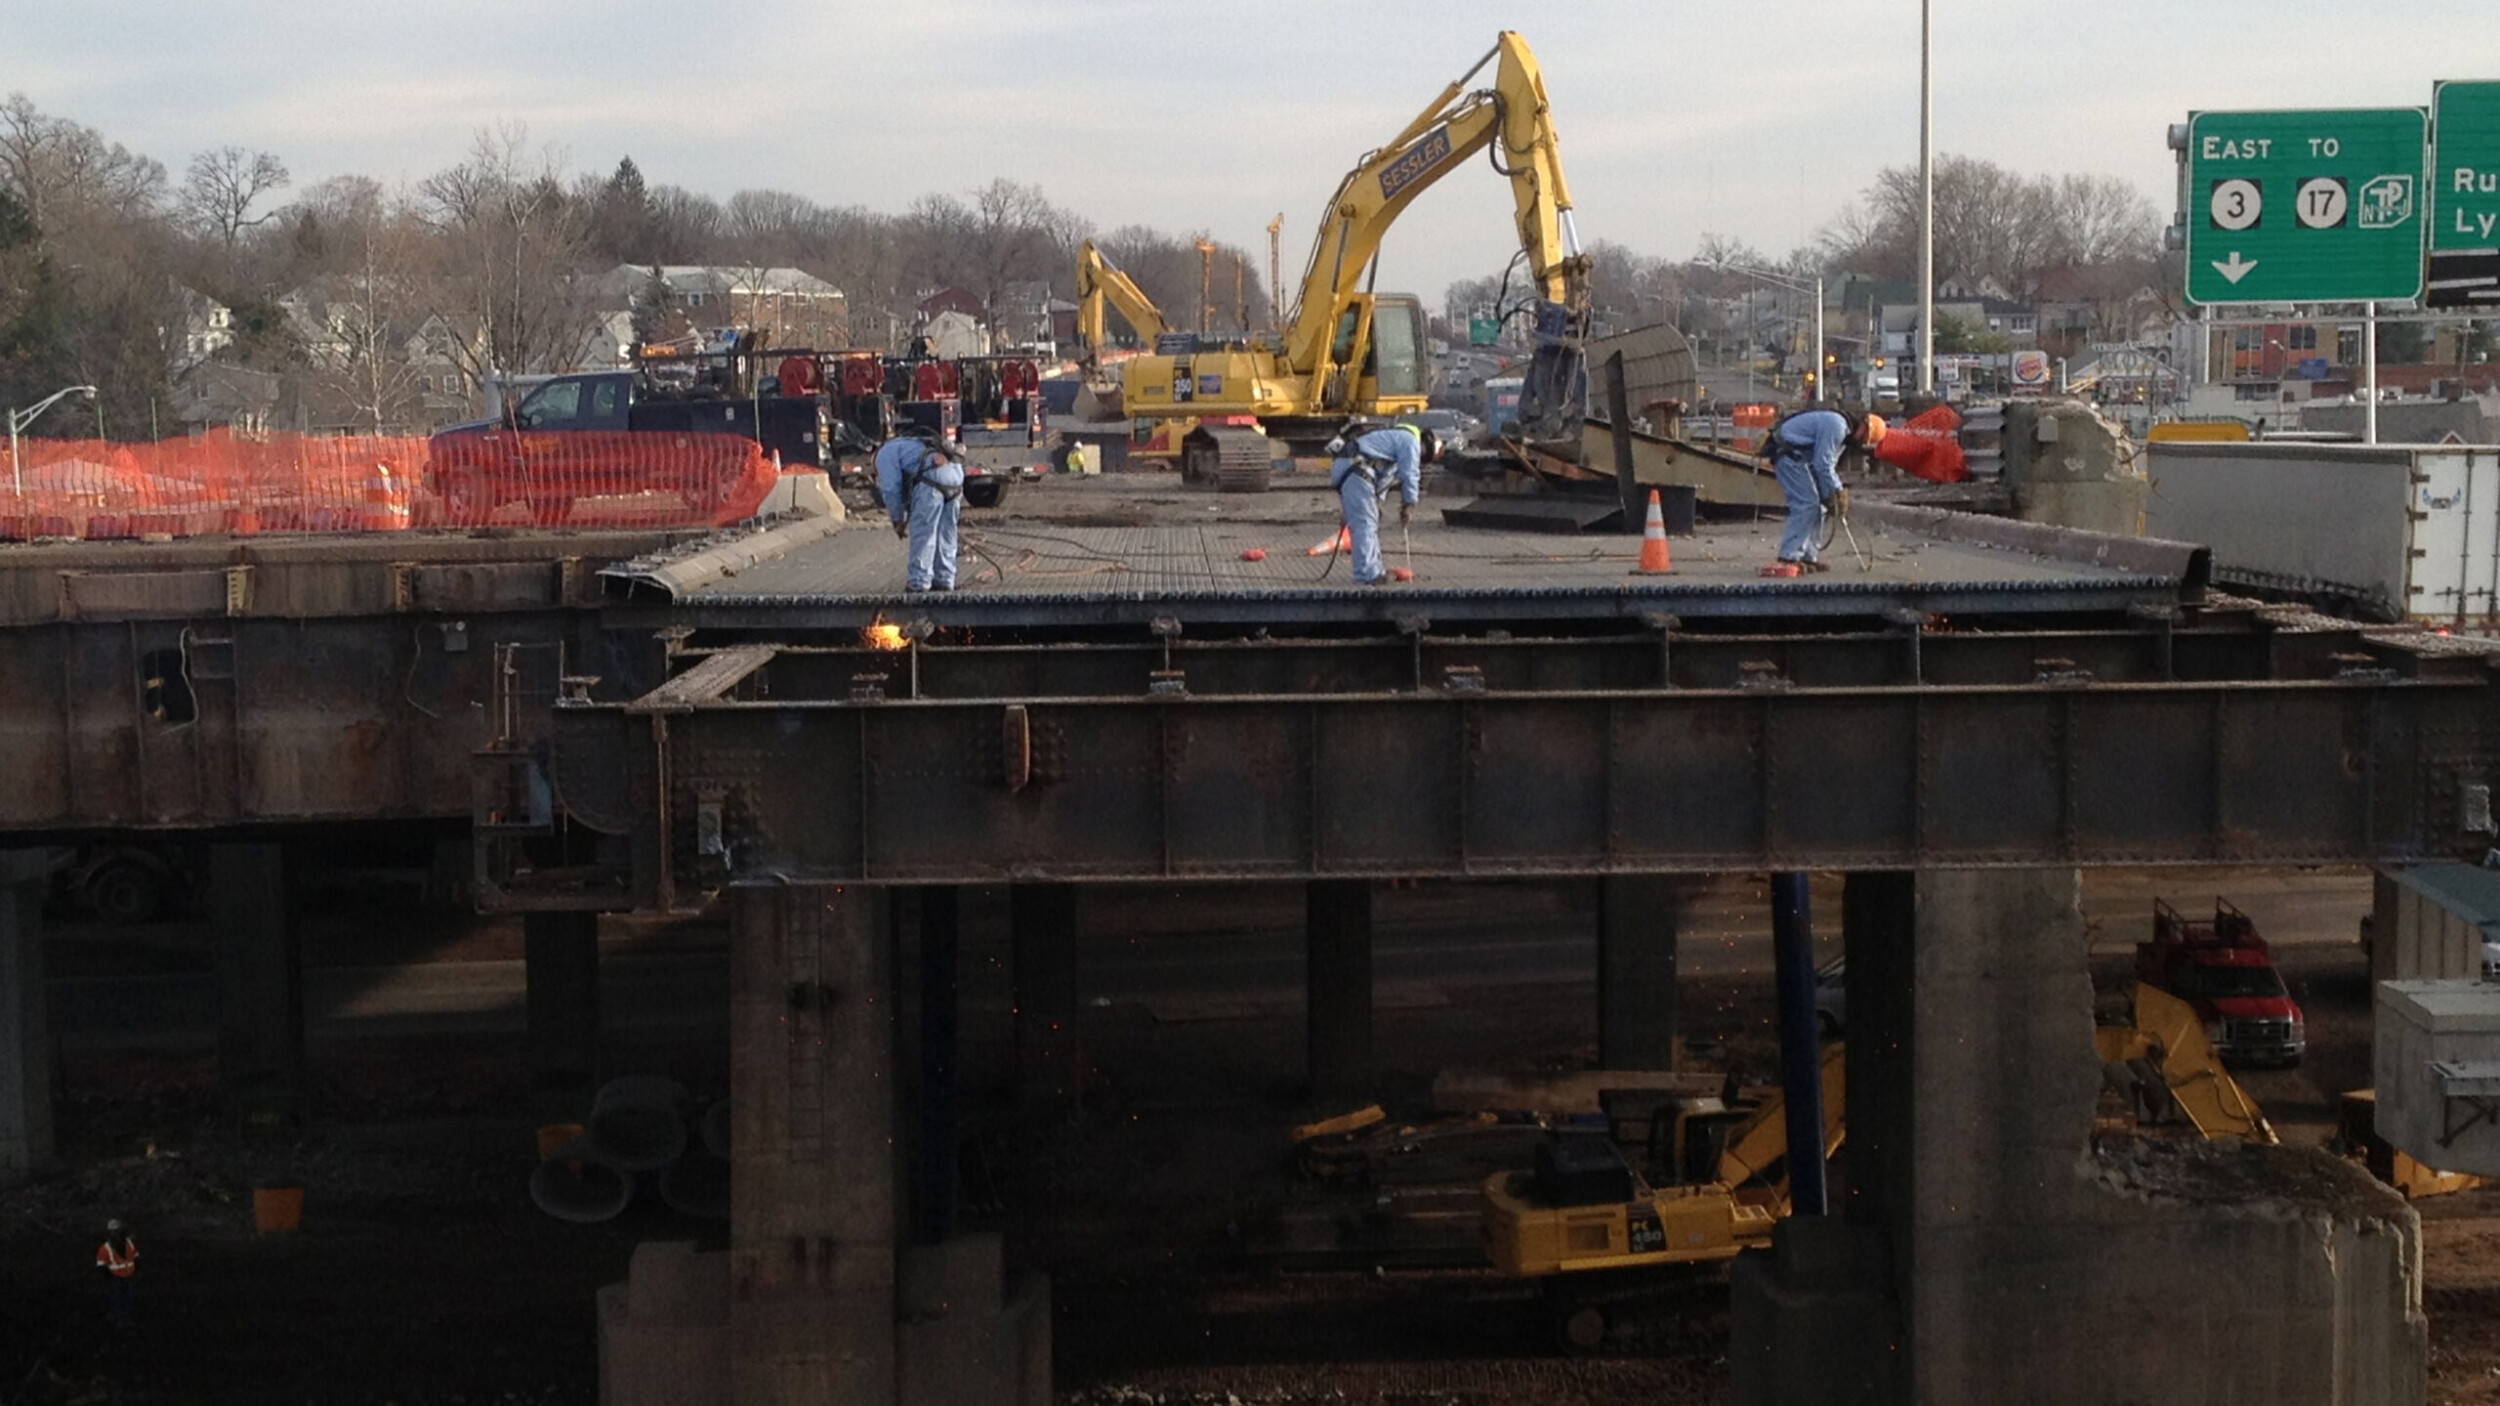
(240, 484)
(1748, 423)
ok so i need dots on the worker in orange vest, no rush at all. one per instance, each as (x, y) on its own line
(118, 1257)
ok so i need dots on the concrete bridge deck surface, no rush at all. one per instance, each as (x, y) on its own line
(1080, 542)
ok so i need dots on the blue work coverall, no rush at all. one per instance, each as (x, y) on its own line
(1376, 461)
(927, 492)
(1805, 455)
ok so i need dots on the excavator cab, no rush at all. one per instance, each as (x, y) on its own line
(1377, 351)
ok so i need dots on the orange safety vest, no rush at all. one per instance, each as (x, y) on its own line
(123, 1262)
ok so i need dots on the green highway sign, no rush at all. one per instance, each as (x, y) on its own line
(2464, 205)
(2305, 207)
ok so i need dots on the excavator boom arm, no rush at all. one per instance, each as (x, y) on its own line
(1512, 117)
(1098, 283)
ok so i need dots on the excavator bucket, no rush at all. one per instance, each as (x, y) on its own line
(1554, 391)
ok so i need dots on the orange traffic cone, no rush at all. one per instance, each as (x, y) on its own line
(386, 508)
(1654, 541)
(1342, 542)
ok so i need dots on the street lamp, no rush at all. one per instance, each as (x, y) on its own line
(1794, 284)
(20, 419)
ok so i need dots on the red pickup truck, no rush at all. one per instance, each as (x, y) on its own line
(2225, 970)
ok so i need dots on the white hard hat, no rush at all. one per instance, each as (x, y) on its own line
(112, 1225)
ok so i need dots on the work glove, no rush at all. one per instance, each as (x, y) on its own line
(1840, 500)
(902, 529)
(1405, 511)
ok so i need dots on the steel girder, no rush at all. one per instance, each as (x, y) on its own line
(1905, 747)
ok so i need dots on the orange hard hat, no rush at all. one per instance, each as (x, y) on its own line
(1875, 430)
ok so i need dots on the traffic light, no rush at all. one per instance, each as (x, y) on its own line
(1879, 363)
(1831, 358)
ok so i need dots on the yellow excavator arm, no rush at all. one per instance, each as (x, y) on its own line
(1513, 118)
(1099, 282)
(1756, 1152)
(2168, 1035)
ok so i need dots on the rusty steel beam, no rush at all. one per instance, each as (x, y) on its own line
(1465, 782)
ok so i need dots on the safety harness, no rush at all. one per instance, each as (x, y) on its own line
(1374, 469)
(913, 476)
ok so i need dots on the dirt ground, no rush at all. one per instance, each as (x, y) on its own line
(423, 1277)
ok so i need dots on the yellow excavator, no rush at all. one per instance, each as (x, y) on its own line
(1236, 403)
(1606, 1240)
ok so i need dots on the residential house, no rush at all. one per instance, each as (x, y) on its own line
(790, 307)
(207, 329)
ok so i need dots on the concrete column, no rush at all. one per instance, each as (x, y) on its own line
(812, 1228)
(1638, 916)
(260, 987)
(560, 952)
(934, 1122)
(1338, 977)
(1050, 1066)
(1878, 926)
(2025, 1261)
(25, 1024)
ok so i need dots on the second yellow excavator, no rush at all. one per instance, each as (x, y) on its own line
(1346, 350)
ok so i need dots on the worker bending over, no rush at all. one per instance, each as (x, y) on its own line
(1804, 451)
(922, 483)
(1370, 463)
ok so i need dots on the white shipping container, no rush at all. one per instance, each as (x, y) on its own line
(2393, 532)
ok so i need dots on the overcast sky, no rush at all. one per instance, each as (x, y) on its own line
(1752, 118)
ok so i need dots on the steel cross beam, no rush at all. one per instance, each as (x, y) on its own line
(1918, 752)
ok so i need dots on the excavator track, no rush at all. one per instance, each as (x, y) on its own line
(1232, 458)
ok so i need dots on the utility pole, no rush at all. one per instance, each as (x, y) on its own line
(1926, 202)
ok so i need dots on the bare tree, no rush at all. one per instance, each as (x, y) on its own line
(222, 187)
(511, 246)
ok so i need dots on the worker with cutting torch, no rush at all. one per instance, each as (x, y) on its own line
(921, 479)
(1371, 462)
(1804, 450)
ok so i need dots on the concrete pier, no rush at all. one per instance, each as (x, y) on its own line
(1338, 977)
(1050, 1065)
(260, 983)
(2006, 1256)
(560, 956)
(818, 1300)
(25, 1025)
(1638, 919)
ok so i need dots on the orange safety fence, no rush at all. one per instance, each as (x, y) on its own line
(284, 482)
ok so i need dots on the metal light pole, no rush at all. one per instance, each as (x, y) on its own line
(1796, 285)
(1926, 203)
(20, 419)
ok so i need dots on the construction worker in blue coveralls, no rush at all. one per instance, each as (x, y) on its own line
(1370, 463)
(922, 483)
(1804, 451)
